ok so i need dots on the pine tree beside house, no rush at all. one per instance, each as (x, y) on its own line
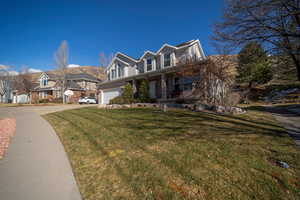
(254, 65)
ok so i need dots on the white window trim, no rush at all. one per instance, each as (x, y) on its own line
(150, 64)
(42, 80)
(170, 59)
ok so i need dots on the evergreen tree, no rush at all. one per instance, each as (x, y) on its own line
(253, 65)
(144, 92)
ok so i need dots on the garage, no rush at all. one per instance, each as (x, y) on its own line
(110, 94)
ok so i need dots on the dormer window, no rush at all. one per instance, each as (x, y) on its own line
(149, 64)
(44, 81)
(167, 60)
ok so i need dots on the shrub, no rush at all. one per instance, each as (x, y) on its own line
(57, 100)
(118, 100)
(144, 92)
(43, 100)
(128, 93)
(51, 100)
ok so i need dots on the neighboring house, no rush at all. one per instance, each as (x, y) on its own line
(159, 68)
(21, 98)
(82, 84)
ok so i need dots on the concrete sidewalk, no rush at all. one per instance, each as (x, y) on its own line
(36, 166)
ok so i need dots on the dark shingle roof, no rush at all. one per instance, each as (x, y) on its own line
(52, 76)
(69, 76)
(81, 76)
(185, 43)
(73, 85)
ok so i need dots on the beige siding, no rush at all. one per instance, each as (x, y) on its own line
(87, 85)
(50, 84)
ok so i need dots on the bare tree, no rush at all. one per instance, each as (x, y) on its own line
(274, 23)
(212, 78)
(6, 80)
(104, 61)
(61, 58)
(23, 82)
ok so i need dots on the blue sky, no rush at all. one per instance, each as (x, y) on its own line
(32, 30)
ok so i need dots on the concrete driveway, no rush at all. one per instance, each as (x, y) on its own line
(36, 166)
(289, 117)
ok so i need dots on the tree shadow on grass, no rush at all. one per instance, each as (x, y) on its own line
(163, 159)
(183, 125)
(138, 124)
(163, 126)
(99, 148)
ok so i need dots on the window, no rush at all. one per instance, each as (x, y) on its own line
(177, 84)
(187, 84)
(149, 64)
(167, 59)
(120, 71)
(44, 82)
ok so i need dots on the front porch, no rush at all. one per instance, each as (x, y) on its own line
(165, 86)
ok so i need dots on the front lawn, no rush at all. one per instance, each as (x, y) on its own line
(147, 154)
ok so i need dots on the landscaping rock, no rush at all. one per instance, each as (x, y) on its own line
(283, 164)
(201, 107)
(126, 106)
(236, 110)
(220, 109)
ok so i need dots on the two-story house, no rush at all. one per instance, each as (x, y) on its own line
(49, 86)
(157, 67)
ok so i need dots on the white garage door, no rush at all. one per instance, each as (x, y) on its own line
(110, 94)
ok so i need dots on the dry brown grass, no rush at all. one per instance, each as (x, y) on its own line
(147, 154)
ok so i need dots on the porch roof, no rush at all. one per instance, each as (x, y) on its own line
(44, 89)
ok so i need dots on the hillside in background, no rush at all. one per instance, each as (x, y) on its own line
(92, 70)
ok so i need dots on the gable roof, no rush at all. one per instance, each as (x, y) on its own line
(126, 56)
(179, 46)
(147, 52)
(185, 43)
(50, 76)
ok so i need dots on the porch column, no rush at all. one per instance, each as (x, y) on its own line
(100, 101)
(145, 65)
(173, 59)
(154, 63)
(162, 61)
(134, 86)
(163, 87)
